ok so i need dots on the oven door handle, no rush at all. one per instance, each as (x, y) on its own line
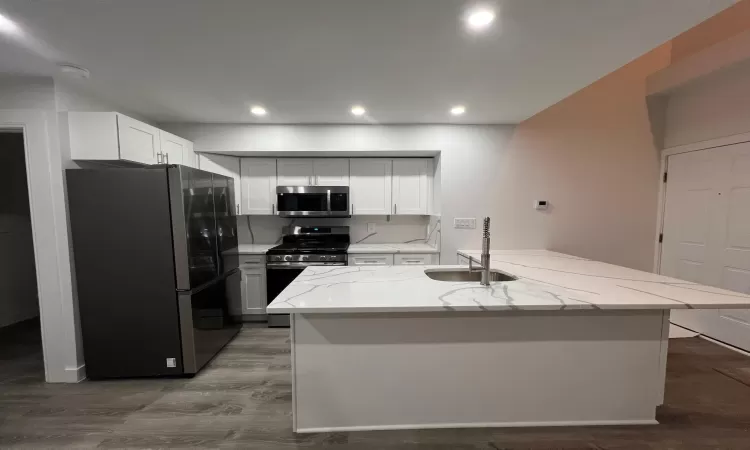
(328, 200)
(301, 266)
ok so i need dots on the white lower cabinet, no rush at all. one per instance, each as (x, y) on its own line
(253, 285)
(375, 259)
(420, 259)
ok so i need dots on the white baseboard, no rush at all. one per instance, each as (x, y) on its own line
(72, 375)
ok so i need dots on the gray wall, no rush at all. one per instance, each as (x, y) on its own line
(18, 291)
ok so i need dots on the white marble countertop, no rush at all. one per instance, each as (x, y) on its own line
(250, 249)
(415, 247)
(546, 281)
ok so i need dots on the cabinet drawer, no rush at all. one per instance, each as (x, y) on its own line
(252, 259)
(371, 260)
(422, 259)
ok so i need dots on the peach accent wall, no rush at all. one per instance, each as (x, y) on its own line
(723, 25)
(592, 155)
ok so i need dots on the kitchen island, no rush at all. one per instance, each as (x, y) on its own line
(569, 342)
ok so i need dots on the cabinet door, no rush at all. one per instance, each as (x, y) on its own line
(172, 148)
(370, 186)
(254, 290)
(295, 172)
(377, 259)
(228, 166)
(258, 196)
(139, 142)
(190, 158)
(411, 187)
(234, 286)
(419, 259)
(331, 172)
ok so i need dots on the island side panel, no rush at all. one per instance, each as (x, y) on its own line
(663, 350)
(432, 370)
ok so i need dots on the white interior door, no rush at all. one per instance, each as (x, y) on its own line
(370, 186)
(331, 172)
(295, 172)
(707, 234)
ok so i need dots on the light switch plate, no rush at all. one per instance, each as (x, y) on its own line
(465, 224)
(370, 227)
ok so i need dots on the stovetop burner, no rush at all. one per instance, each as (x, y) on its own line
(311, 244)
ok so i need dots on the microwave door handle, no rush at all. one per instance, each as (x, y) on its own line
(328, 200)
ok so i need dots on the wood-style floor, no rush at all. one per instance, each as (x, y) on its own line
(243, 400)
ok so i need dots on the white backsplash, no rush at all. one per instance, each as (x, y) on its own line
(267, 229)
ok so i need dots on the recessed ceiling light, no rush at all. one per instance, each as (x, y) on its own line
(7, 26)
(76, 71)
(458, 110)
(480, 18)
(358, 110)
(258, 110)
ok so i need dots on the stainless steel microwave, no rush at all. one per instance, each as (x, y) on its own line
(313, 201)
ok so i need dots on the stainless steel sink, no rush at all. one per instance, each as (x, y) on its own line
(464, 275)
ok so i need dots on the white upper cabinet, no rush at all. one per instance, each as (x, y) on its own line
(173, 148)
(139, 142)
(113, 137)
(258, 195)
(313, 172)
(295, 172)
(190, 158)
(228, 166)
(331, 172)
(370, 186)
(412, 190)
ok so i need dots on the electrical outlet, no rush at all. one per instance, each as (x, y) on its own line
(465, 224)
(171, 362)
(370, 227)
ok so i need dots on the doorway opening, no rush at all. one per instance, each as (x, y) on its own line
(21, 357)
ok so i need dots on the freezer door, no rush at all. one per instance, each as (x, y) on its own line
(226, 215)
(205, 324)
(194, 226)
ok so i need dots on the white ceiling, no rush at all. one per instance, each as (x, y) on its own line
(308, 61)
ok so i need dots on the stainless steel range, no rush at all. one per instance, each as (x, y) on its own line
(302, 247)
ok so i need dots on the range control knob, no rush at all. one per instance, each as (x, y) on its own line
(323, 257)
(304, 258)
(288, 258)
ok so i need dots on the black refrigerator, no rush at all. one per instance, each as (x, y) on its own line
(151, 284)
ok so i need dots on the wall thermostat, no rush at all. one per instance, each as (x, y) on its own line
(541, 205)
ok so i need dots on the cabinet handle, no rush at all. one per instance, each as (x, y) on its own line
(352, 208)
(395, 209)
(158, 158)
(273, 210)
(238, 209)
(371, 261)
(409, 261)
(317, 181)
(167, 155)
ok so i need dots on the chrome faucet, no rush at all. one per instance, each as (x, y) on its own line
(485, 262)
